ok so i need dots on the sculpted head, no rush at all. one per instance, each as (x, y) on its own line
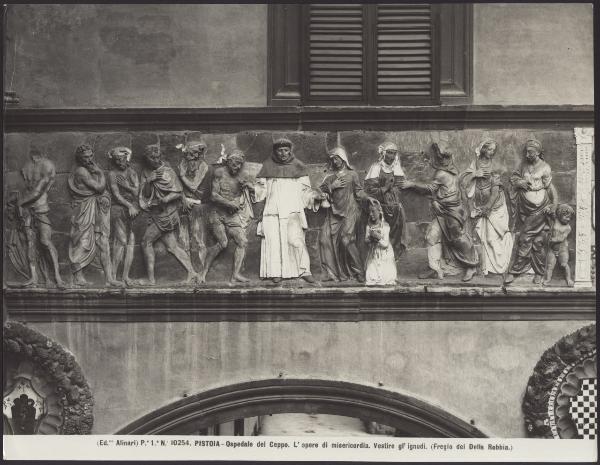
(194, 150)
(84, 154)
(120, 157)
(533, 151)
(388, 152)
(152, 156)
(375, 211)
(487, 149)
(338, 158)
(564, 212)
(282, 150)
(37, 154)
(235, 161)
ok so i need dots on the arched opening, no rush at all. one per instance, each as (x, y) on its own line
(409, 416)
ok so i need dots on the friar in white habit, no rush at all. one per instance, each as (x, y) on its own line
(284, 185)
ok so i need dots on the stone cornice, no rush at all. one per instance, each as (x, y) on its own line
(304, 304)
(299, 118)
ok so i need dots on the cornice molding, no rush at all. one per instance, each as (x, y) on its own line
(297, 118)
(306, 304)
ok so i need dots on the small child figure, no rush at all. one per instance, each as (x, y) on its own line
(380, 263)
(558, 246)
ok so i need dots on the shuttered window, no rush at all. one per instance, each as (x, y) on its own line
(374, 54)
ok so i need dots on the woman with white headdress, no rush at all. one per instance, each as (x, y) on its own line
(488, 209)
(381, 183)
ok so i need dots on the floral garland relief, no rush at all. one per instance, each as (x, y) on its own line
(560, 400)
(45, 391)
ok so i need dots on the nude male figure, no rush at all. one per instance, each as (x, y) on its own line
(124, 185)
(38, 173)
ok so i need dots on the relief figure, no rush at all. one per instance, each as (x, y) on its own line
(230, 212)
(534, 197)
(90, 223)
(340, 258)
(161, 195)
(29, 243)
(196, 178)
(447, 239)
(558, 245)
(124, 186)
(488, 210)
(380, 261)
(381, 183)
(284, 185)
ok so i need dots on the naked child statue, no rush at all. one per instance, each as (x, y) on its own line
(230, 213)
(124, 186)
(558, 245)
(30, 245)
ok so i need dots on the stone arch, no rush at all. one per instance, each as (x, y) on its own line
(301, 396)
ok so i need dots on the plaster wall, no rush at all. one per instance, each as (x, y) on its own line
(533, 54)
(141, 55)
(160, 55)
(475, 370)
(310, 147)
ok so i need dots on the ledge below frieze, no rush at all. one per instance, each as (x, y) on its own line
(418, 302)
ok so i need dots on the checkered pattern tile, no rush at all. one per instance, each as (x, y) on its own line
(583, 409)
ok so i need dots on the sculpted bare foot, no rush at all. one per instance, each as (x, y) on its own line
(80, 282)
(469, 274)
(432, 274)
(309, 278)
(146, 282)
(509, 278)
(570, 282)
(29, 283)
(237, 277)
(192, 278)
(537, 279)
(329, 279)
(546, 282)
(60, 284)
(114, 283)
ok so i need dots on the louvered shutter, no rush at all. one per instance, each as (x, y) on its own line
(404, 48)
(381, 54)
(335, 53)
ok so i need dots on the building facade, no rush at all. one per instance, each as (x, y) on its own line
(162, 349)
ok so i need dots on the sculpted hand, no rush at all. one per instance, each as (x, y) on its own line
(375, 236)
(338, 184)
(521, 184)
(482, 173)
(406, 184)
(133, 211)
(549, 210)
(233, 207)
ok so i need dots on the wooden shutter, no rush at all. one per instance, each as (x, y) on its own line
(405, 54)
(335, 53)
(377, 54)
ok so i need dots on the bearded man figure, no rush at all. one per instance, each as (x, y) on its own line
(90, 223)
(196, 177)
(535, 201)
(446, 235)
(230, 213)
(161, 195)
(284, 185)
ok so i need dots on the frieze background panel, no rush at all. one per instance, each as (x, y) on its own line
(311, 148)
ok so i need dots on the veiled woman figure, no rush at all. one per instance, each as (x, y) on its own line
(381, 183)
(488, 210)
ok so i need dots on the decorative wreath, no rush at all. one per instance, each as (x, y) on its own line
(60, 368)
(556, 378)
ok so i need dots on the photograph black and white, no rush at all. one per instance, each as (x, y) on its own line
(353, 220)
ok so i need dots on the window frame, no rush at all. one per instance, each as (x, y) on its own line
(287, 60)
